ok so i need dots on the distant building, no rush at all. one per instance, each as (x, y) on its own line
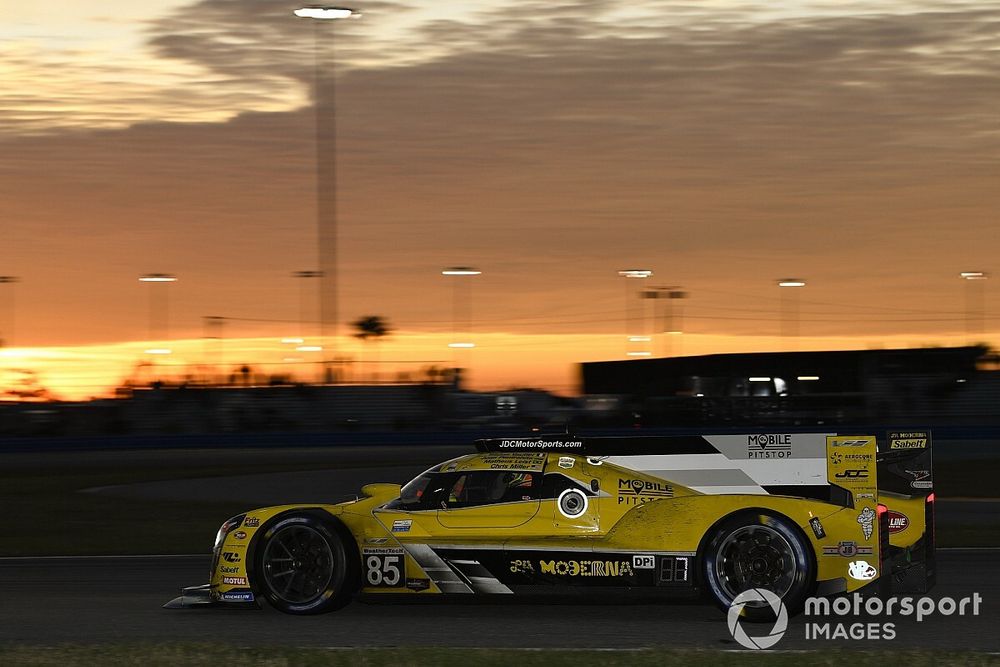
(941, 385)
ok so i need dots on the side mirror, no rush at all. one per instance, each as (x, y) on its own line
(386, 491)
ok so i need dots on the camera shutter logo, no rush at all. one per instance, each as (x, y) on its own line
(757, 595)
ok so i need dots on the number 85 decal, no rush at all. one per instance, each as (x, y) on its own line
(384, 570)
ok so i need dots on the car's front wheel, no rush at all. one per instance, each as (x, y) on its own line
(758, 550)
(303, 565)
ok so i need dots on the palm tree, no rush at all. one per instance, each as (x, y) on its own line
(372, 328)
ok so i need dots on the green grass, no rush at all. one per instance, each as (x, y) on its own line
(212, 655)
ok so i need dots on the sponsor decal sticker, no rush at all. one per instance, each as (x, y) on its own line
(847, 549)
(849, 442)
(229, 569)
(836, 458)
(586, 568)
(909, 439)
(635, 491)
(240, 535)
(533, 461)
(401, 525)
(251, 522)
(237, 597)
(381, 550)
(376, 540)
(867, 521)
(861, 570)
(231, 557)
(852, 473)
(234, 581)
(817, 528)
(566, 462)
(418, 584)
(644, 562)
(898, 522)
(920, 479)
(769, 446)
(541, 444)
(522, 567)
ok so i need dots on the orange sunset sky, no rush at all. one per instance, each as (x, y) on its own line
(722, 144)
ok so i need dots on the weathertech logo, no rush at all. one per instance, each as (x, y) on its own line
(768, 446)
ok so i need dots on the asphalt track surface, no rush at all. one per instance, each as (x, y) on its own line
(118, 599)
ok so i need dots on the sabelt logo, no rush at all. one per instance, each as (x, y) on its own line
(769, 446)
(898, 522)
(911, 443)
(229, 569)
(909, 439)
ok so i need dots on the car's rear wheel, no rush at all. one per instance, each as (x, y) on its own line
(302, 565)
(758, 550)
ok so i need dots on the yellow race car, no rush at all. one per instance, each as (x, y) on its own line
(660, 517)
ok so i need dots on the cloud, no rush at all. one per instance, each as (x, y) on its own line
(551, 146)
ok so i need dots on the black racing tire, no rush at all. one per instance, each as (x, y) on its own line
(758, 549)
(304, 563)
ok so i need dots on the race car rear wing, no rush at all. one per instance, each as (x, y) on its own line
(793, 464)
(788, 464)
(822, 466)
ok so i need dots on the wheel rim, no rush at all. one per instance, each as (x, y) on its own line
(755, 557)
(298, 564)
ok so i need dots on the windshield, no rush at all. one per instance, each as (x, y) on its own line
(419, 493)
(414, 490)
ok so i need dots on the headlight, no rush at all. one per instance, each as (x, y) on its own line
(229, 526)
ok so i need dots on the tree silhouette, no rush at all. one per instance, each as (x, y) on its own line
(372, 328)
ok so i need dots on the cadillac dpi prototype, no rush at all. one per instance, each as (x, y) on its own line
(678, 516)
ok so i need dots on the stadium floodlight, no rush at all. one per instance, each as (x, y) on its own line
(326, 13)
